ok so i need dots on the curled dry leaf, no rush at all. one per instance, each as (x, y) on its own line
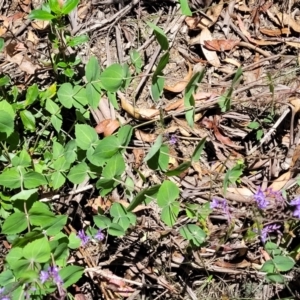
(243, 191)
(139, 155)
(40, 25)
(210, 55)
(24, 65)
(192, 22)
(137, 113)
(107, 127)
(280, 182)
(145, 137)
(293, 44)
(275, 32)
(221, 45)
(212, 14)
(295, 102)
(181, 85)
(284, 19)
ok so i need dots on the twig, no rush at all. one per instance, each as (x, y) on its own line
(269, 133)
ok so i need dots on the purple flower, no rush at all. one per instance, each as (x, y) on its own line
(84, 238)
(173, 139)
(53, 271)
(220, 204)
(44, 276)
(267, 230)
(3, 297)
(99, 235)
(295, 202)
(260, 199)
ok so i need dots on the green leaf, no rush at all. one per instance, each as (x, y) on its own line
(6, 277)
(10, 178)
(125, 134)
(61, 164)
(197, 152)
(68, 6)
(40, 14)
(253, 125)
(57, 150)
(115, 230)
(56, 225)
(24, 195)
(24, 159)
(168, 192)
(238, 74)
(78, 40)
(155, 148)
(37, 251)
(115, 166)
(107, 147)
(58, 180)
(14, 255)
(92, 69)
(52, 107)
(28, 120)
(121, 216)
(160, 160)
(6, 123)
(78, 173)
(93, 95)
(142, 196)
(34, 179)
(112, 97)
(189, 101)
(31, 94)
(4, 80)
(170, 213)
(40, 214)
(54, 6)
(56, 121)
(225, 100)
(277, 278)
(70, 151)
(283, 263)
(2, 44)
(15, 223)
(85, 135)
(60, 252)
(74, 241)
(157, 79)
(5, 106)
(80, 98)
(181, 168)
(65, 95)
(102, 222)
(112, 78)
(136, 60)
(106, 185)
(193, 233)
(160, 36)
(233, 175)
(185, 9)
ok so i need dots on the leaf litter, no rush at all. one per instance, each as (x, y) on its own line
(153, 260)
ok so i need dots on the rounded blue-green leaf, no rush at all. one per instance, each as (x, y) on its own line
(6, 123)
(65, 95)
(37, 251)
(15, 223)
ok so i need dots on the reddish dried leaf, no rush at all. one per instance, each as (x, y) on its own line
(138, 156)
(221, 45)
(107, 127)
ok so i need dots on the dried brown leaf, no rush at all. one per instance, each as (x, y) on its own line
(211, 56)
(295, 102)
(24, 64)
(280, 182)
(180, 86)
(221, 45)
(145, 137)
(213, 14)
(139, 155)
(137, 113)
(275, 32)
(174, 105)
(285, 19)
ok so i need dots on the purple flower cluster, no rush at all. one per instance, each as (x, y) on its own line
(296, 203)
(3, 297)
(260, 199)
(51, 273)
(220, 204)
(267, 230)
(85, 238)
